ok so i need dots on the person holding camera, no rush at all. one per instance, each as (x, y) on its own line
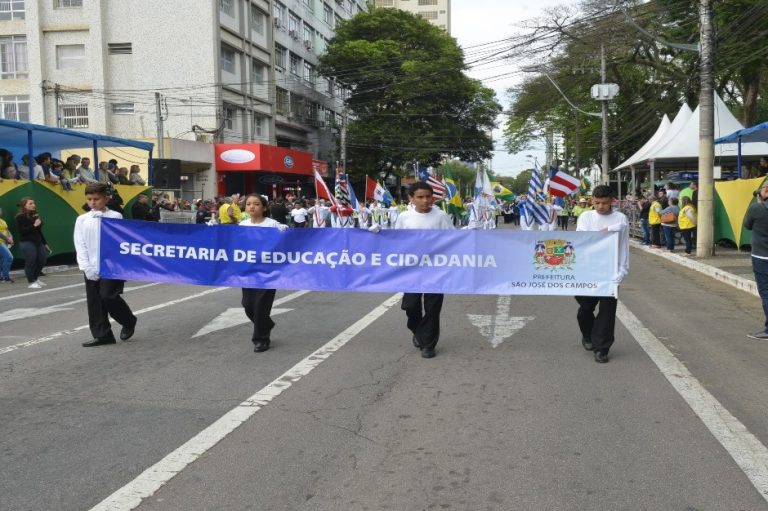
(756, 220)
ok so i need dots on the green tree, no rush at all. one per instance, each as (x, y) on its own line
(409, 98)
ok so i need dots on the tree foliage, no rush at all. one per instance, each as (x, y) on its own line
(408, 95)
(654, 78)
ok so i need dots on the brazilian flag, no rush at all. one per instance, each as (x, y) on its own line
(452, 196)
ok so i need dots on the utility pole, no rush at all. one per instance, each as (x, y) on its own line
(56, 91)
(344, 139)
(705, 230)
(604, 179)
(159, 114)
(576, 146)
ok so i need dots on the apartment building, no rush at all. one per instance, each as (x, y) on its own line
(222, 71)
(437, 12)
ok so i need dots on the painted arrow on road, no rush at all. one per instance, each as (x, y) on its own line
(229, 318)
(30, 312)
(499, 327)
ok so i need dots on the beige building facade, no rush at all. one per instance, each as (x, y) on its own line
(437, 12)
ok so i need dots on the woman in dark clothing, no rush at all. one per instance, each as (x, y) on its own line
(32, 242)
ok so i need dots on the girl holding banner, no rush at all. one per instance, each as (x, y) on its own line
(258, 302)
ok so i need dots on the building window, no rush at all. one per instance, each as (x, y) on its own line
(122, 108)
(11, 9)
(385, 3)
(349, 5)
(280, 53)
(257, 20)
(120, 48)
(257, 72)
(281, 101)
(227, 59)
(279, 11)
(310, 5)
(67, 4)
(309, 74)
(13, 57)
(295, 63)
(307, 36)
(14, 108)
(328, 14)
(427, 2)
(70, 56)
(429, 15)
(227, 7)
(258, 125)
(293, 25)
(74, 116)
(336, 20)
(229, 117)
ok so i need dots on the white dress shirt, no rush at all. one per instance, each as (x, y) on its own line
(88, 241)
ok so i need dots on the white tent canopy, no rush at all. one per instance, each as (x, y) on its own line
(660, 132)
(682, 144)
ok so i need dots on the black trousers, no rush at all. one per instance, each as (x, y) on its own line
(599, 329)
(563, 221)
(655, 234)
(423, 311)
(34, 259)
(258, 306)
(104, 300)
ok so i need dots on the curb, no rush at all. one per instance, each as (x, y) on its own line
(740, 283)
(47, 269)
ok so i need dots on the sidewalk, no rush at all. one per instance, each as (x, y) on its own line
(727, 265)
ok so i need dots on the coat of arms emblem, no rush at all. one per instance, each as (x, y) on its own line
(554, 255)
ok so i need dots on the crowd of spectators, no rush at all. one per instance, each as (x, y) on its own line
(72, 170)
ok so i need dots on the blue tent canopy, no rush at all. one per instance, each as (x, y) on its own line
(758, 133)
(25, 138)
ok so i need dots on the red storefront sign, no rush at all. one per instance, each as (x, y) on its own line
(262, 158)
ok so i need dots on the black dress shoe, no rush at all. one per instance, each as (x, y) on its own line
(98, 342)
(587, 343)
(601, 357)
(127, 332)
(427, 352)
(260, 346)
(416, 342)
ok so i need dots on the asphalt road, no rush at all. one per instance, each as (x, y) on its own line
(365, 422)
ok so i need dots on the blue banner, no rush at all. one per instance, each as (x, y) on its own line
(499, 262)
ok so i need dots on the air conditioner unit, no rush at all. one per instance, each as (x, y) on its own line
(278, 22)
(293, 34)
(308, 44)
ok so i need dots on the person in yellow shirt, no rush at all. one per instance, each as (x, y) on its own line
(6, 258)
(654, 219)
(686, 223)
(580, 208)
(229, 212)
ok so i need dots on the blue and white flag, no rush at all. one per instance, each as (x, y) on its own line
(535, 193)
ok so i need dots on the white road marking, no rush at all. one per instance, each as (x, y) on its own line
(229, 318)
(496, 329)
(46, 290)
(745, 449)
(149, 481)
(62, 333)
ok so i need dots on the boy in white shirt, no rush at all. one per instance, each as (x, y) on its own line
(102, 295)
(424, 325)
(597, 332)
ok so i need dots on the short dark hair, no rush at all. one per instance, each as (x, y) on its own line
(97, 189)
(603, 191)
(419, 185)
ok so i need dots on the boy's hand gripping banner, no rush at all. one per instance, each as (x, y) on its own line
(498, 262)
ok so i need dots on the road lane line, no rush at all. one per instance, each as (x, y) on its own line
(47, 290)
(148, 482)
(56, 335)
(744, 447)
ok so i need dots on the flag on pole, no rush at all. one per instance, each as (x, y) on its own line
(376, 191)
(453, 197)
(562, 184)
(341, 188)
(321, 189)
(533, 208)
(438, 187)
(501, 192)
